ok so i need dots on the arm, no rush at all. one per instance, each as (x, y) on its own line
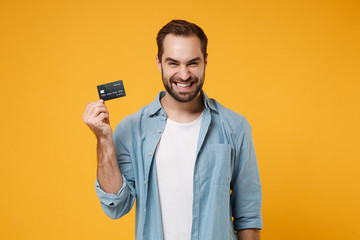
(246, 196)
(249, 234)
(108, 172)
(96, 116)
(115, 192)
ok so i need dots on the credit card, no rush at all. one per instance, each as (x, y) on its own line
(111, 90)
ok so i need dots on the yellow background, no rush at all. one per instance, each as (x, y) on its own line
(290, 67)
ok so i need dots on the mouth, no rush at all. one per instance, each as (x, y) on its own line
(184, 85)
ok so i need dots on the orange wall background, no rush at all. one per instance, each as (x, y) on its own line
(290, 67)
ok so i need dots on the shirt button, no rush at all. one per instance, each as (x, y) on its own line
(144, 209)
(159, 131)
(162, 113)
(145, 182)
(150, 153)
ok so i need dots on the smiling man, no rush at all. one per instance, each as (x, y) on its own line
(188, 161)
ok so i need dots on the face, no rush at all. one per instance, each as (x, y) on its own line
(182, 67)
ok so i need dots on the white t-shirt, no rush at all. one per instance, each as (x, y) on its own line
(175, 159)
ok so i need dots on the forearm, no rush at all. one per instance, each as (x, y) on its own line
(249, 234)
(108, 172)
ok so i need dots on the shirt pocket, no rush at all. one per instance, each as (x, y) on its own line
(215, 187)
(217, 164)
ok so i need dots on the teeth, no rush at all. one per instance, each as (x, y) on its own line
(183, 85)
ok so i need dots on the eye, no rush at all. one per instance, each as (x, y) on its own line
(172, 63)
(193, 63)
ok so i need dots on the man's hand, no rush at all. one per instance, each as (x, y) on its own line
(96, 116)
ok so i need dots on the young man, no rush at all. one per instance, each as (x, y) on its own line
(188, 161)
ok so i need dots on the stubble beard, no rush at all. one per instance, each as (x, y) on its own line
(179, 96)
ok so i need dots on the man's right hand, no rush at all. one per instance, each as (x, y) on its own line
(96, 116)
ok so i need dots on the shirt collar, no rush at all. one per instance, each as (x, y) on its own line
(155, 106)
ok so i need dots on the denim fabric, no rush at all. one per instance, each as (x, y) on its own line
(227, 191)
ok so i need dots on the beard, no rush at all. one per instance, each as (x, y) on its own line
(183, 97)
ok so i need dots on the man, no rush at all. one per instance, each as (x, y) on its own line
(188, 161)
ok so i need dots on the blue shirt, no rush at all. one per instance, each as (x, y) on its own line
(226, 192)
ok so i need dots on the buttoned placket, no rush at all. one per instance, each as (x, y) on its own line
(205, 123)
(158, 127)
(150, 154)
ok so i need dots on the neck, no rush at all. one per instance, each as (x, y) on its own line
(182, 112)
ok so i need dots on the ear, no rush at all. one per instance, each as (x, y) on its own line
(206, 60)
(158, 62)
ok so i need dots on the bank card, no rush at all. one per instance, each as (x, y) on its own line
(111, 90)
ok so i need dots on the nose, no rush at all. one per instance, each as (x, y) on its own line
(184, 73)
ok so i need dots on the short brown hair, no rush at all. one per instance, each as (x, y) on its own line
(181, 28)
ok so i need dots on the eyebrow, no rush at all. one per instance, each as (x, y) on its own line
(174, 60)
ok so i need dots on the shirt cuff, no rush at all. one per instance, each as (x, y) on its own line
(244, 223)
(110, 199)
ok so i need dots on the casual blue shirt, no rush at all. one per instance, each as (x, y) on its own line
(226, 192)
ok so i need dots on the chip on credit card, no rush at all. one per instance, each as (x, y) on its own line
(111, 90)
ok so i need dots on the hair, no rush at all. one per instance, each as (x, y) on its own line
(181, 28)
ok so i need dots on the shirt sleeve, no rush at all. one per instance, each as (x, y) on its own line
(117, 205)
(246, 196)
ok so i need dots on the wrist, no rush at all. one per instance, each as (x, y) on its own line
(104, 138)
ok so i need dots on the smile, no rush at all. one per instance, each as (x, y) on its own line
(183, 85)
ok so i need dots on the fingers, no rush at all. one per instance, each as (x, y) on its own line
(90, 106)
(93, 109)
(103, 118)
(96, 116)
(96, 110)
